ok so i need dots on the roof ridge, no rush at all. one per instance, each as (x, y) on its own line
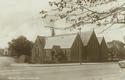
(40, 36)
(61, 35)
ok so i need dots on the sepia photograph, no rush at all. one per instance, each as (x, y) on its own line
(62, 39)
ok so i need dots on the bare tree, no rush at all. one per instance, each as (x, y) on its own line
(79, 12)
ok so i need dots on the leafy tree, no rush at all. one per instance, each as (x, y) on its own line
(116, 43)
(116, 49)
(20, 46)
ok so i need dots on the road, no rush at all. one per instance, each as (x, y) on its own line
(106, 71)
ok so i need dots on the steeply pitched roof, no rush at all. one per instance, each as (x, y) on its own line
(100, 39)
(42, 40)
(64, 41)
(85, 36)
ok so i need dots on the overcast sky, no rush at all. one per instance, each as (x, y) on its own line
(21, 17)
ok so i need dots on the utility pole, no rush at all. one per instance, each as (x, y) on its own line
(53, 32)
(79, 47)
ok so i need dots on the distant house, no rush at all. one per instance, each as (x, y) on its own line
(1, 52)
(103, 49)
(58, 49)
(6, 52)
(91, 44)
